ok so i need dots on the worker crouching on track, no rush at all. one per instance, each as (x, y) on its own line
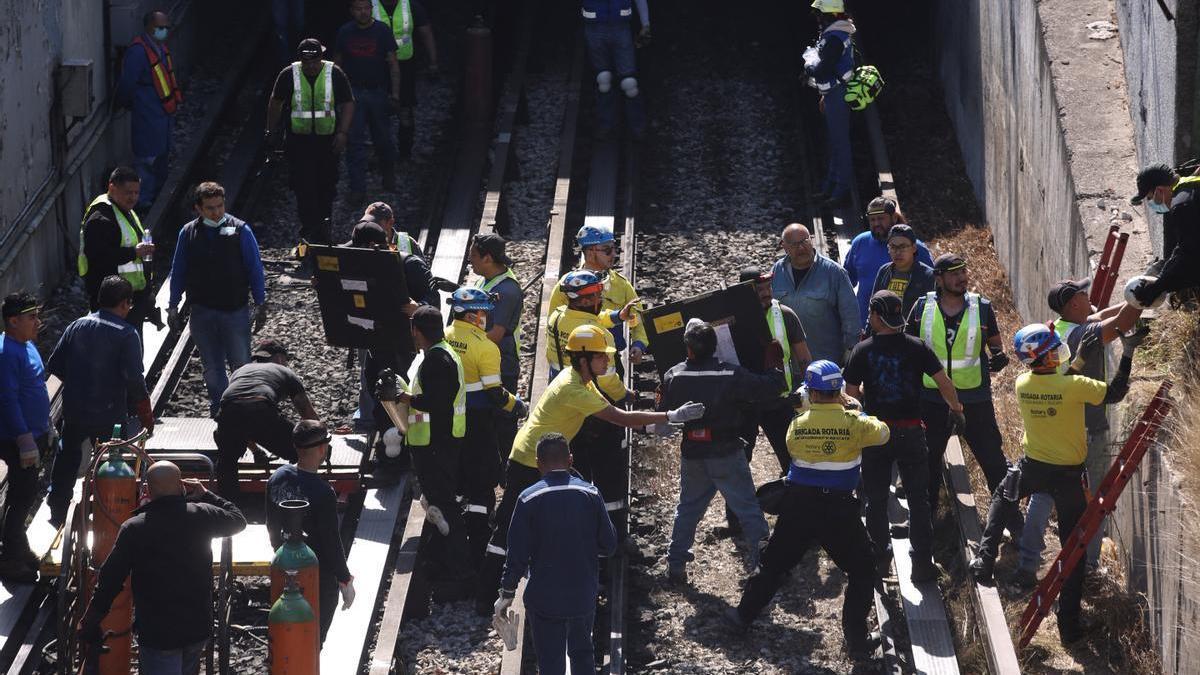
(559, 532)
(437, 425)
(1055, 445)
(299, 480)
(712, 451)
(249, 412)
(166, 549)
(597, 445)
(819, 505)
(487, 400)
(99, 360)
(570, 399)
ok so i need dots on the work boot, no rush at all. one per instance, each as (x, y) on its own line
(923, 569)
(677, 575)
(733, 619)
(864, 648)
(1023, 578)
(982, 569)
(1071, 630)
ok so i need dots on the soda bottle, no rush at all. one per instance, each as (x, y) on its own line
(147, 239)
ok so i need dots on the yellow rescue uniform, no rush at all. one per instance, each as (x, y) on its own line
(480, 361)
(617, 293)
(558, 328)
(1052, 410)
(564, 406)
(826, 445)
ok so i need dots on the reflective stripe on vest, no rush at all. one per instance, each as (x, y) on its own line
(403, 243)
(163, 75)
(418, 420)
(307, 118)
(1063, 328)
(488, 285)
(131, 236)
(779, 334)
(1186, 181)
(963, 365)
(401, 23)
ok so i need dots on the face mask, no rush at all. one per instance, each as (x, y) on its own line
(214, 223)
(1159, 208)
(160, 34)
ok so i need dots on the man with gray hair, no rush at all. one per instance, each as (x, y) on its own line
(818, 291)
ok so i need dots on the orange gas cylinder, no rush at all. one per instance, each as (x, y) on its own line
(296, 556)
(293, 633)
(114, 500)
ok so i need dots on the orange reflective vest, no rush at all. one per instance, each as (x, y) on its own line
(163, 74)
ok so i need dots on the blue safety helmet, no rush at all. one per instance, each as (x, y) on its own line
(580, 282)
(1035, 341)
(591, 235)
(823, 375)
(469, 299)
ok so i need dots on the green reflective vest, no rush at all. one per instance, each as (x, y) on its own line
(487, 285)
(963, 365)
(418, 420)
(401, 23)
(779, 334)
(312, 104)
(131, 235)
(404, 243)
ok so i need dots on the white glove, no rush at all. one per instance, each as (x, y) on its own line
(504, 621)
(502, 604)
(347, 591)
(434, 515)
(686, 413)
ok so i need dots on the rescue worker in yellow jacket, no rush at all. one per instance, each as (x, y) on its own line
(826, 444)
(486, 399)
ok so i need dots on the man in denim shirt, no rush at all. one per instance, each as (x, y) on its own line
(99, 360)
(818, 291)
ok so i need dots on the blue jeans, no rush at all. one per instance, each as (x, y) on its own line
(610, 48)
(370, 112)
(554, 639)
(1037, 518)
(288, 17)
(223, 339)
(840, 175)
(153, 174)
(699, 482)
(184, 661)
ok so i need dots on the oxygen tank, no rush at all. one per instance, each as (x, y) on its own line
(295, 557)
(293, 634)
(114, 499)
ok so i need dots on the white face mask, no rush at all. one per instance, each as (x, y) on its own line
(1159, 208)
(213, 223)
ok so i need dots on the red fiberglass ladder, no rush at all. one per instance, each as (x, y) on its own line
(1102, 503)
(1110, 265)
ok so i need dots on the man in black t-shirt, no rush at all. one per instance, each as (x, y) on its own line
(249, 412)
(317, 130)
(890, 366)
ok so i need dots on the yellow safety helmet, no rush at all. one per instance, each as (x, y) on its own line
(589, 338)
(829, 6)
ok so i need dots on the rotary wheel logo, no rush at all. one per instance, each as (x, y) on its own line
(828, 447)
(1051, 412)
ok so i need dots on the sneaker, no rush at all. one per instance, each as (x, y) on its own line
(1023, 578)
(19, 571)
(866, 647)
(923, 569)
(982, 569)
(733, 619)
(677, 574)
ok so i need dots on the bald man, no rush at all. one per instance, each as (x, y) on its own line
(166, 546)
(818, 290)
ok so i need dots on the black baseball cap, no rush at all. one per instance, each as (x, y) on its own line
(309, 433)
(367, 234)
(889, 307)
(948, 262)
(492, 245)
(1153, 176)
(754, 274)
(902, 230)
(268, 347)
(1062, 292)
(17, 304)
(310, 48)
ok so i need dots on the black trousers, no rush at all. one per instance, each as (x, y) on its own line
(906, 449)
(67, 461)
(506, 425)
(313, 174)
(437, 468)
(1065, 484)
(479, 473)
(830, 519)
(774, 422)
(327, 591)
(600, 457)
(244, 421)
(517, 477)
(22, 490)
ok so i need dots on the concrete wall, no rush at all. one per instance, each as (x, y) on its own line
(54, 165)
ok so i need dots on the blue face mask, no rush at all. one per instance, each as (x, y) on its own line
(214, 223)
(1159, 208)
(160, 33)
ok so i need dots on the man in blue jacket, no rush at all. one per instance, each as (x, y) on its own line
(818, 291)
(148, 86)
(217, 262)
(24, 429)
(869, 250)
(559, 531)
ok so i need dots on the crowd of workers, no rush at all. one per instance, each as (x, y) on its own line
(872, 364)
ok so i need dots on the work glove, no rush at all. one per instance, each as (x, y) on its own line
(501, 606)
(389, 386)
(28, 449)
(1134, 338)
(435, 516)
(956, 421)
(686, 413)
(798, 399)
(346, 588)
(175, 321)
(260, 317)
(997, 361)
(520, 408)
(145, 414)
